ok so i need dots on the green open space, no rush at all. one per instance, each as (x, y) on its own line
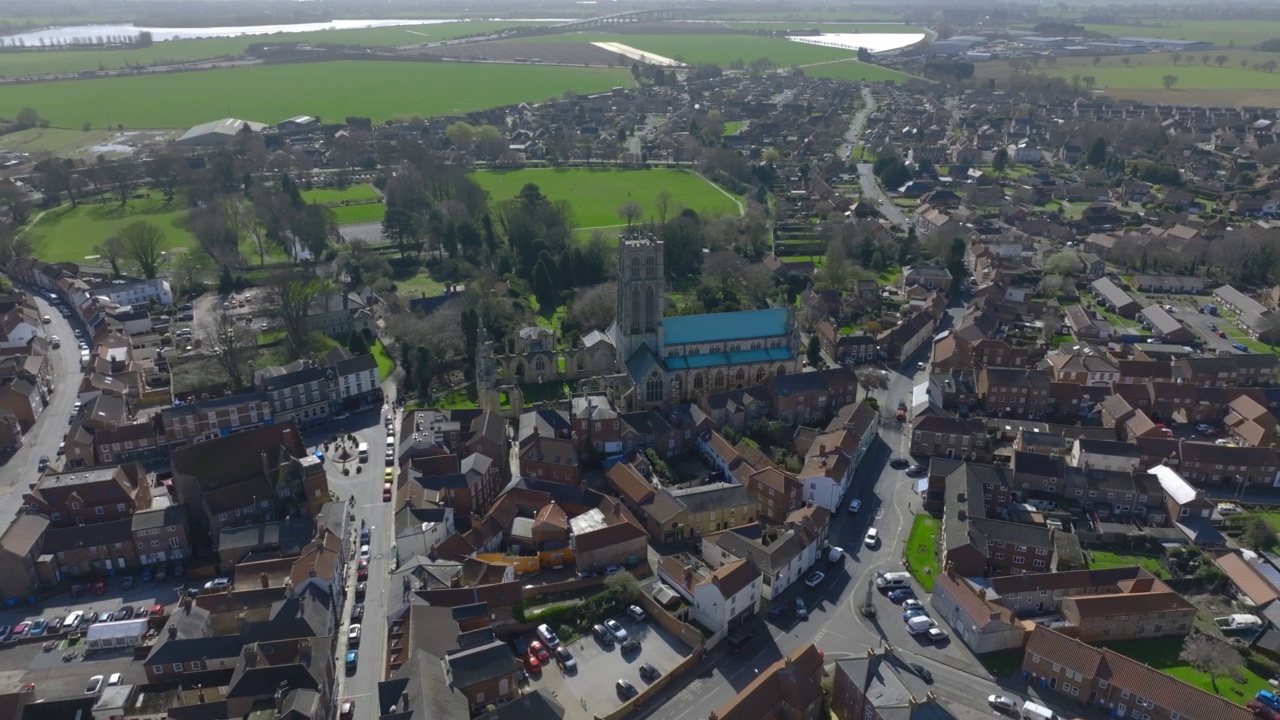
(1150, 563)
(70, 234)
(1162, 654)
(1219, 32)
(41, 62)
(62, 142)
(732, 127)
(369, 212)
(337, 196)
(855, 71)
(922, 550)
(718, 49)
(379, 90)
(596, 195)
(385, 363)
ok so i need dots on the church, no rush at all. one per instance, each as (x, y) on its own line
(669, 360)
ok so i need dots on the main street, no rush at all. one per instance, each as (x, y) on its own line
(866, 176)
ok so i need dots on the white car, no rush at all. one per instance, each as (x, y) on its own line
(815, 580)
(937, 634)
(353, 634)
(1204, 428)
(1001, 703)
(912, 604)
(615, 627)
(872, 538)
(364, 552)
(95, 685)
(636, 613)
(116, 679)
(835, 553)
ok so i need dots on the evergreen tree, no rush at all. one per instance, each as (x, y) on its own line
(357, 344)
(1097, 154)
(814, 352)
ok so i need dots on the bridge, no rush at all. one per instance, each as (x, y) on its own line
(634, 16)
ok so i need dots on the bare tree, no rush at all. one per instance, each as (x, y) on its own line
(290, 296)
(215, 234)
(836, 268)
(662, 203)
(723, 271)
(144, 244)
(112, 250)
(593, 308)
(123, 179)
(1211, 656)
(232, 345)
(630, 213)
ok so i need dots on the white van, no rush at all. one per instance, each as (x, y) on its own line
(548, 637)
(920, 624)
(1035, 711)
(362, 451)
(893, 580)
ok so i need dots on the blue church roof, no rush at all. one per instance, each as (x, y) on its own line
(720, 327)
(741, 357)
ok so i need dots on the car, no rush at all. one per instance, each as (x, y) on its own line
(629, 645)
(902, 594)
(872, 538)
(636, 613)
(899, 463)
(141, 611)
(364, 552)
(362, 570)
(912, 604)
(625, 689)
(365, 534)
(1229, 509)
(386, 492)
(1221, 333)
(353, 634)
(55, 625)
(603, 635)
(62, 447)
(815, 579)
(537, 649)
(116, 679)
(347, 710)
(146, 574)
(915, 470)
(125, 613)
(157, 609)
(95, 685)
(218, 584)
(54, 342)
(38, 626)
(802, 612)
(91, 617)
(615, 627)
(342, 416)
(127, 583)
(1213, 327)
(922, 672)
(46, 319)
(937, 634)
(835, 553)
(361, 588)
(1204, 428)
(519, 646)
(649, 672)
(353, 659)
(921, 366)
(389, 475)
(391, 456)
(4, 632)
(566, 659)
(21, 629)
(855, 506)
(777, 611)
(914, 612)
(107, 617)
(1002, 703)
(357, 612)
(532, 665)
(43, 464)
(611, 569)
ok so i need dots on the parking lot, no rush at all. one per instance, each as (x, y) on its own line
(593, 686)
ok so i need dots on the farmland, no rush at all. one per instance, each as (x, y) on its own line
(177, 51)
(1197, 83)
(596, 195)
(380, 90)
(1221, 33)
(70, 234)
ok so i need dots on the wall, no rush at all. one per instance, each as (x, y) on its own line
(519, 563)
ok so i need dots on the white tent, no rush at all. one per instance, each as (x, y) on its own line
(124, 633)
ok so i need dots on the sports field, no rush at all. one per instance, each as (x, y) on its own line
(64, 61)
(596, 195)
(337, 196)
(380, 90)
(70, 234)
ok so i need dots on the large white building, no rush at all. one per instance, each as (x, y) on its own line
(719, 599)
(136, 292)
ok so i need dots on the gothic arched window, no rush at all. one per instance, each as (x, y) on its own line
(697, 381)
(653, 389)
(635, 268)
(760, 375)
(636, 319)
(719, 378)
(650, 308)
(650, 267)
(539, 365)
(741, 376)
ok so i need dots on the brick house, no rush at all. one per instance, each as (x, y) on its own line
(790, 688)
(949, 437)
(86, 497)
(208, 419)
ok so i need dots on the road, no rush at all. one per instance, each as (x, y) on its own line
(866, 177)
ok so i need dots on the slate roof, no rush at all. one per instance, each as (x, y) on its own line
(479, 664)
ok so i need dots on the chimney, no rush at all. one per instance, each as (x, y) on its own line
(200, 693)
(264, 581)
(280, 699)
(822, 448)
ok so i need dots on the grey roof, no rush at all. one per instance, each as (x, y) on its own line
(1112, 292)
(60, 539)
(277, 377)
(1015, 533)
(171, 515)
(745, 543)
(357, 364)
(225, 126)
(530, 706)
(186, 649)
(429, 691)
(475, 665)
(797, 383)
(1160, 320)
(287, 535)
(713, 496)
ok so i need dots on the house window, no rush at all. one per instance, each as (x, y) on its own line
(157, 669)
(177, 667)
(195, 664)
(99, 510)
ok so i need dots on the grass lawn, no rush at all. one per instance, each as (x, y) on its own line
(1162, 654)
(1114, 319)
(1112, 560)
(269, 93)
(385, 363)
(732, 127)
(420, 285)
(718, 49)
(59, 141)
(336, 196)
(369, 212)
(1270, 517)
(596, 195)
(161, 53)
(922, 550)
(70, 234)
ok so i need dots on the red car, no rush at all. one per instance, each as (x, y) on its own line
(532, 664)
(157, 609)
(362, 570)
(99, 587)
(1222, 333)
(540, 650)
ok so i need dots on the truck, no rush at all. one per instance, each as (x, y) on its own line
(1036, 711)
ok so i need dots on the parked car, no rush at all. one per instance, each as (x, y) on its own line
(937, 634)
(815, 579)
(603, 635)
(636, 613)
(353, 634)
(611, 569)
(915, 470)
(95, 685)
(43, 464)
(127, 583)
(912, 604)
(116, 679)
(566, 659)
(141, 611)
(922, 672)
(801, 611)
(353, 658)
(899, 463)
(157, 609)
(347, 710)
(38, 626)
(872, 538)
(629, 645)
(1002, 703)
(107, 617)
(532, 664)
(649, 672)
(901, 594)
(217, 584)
(625, 689)
(55, 625)
(777, 611)
(361, 588)
(1204, 428)
(519, 646)
(539, 650)
(615, 627)
(362, 570)
(357, 612)
(125, 613)
(4, 632)
(855, 506)
(915, 612)
(364, 552)
(21, 629)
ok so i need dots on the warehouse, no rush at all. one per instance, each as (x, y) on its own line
(218, 132)
(1167, 44)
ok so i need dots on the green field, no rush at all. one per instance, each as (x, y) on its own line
(379, 90)
(336, 196)
(1162, 654)
(1219, 32)
(355, 214)
(70, 234)
(922, 550)
(718, 49)
(64, 61)
(1150, 563)
(58, 141)
(596, 195)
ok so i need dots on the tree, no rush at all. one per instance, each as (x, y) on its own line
(357, 344)
(289, 297)
(461, 134)
(1176, 57)
(233, 347)
(143, 243)
(1221, 60)
(813, 353)
(1089, 81)
(630, 213)
(1000, 160)
(624, 586)
(1169, 81)
(593, 308)
(112, 250)
(1258, 533)
(1097, 153)
(1126, 61)
(1211, 656)
(1066, 263)
(662, 203)
(1096, 60)
(122, 179)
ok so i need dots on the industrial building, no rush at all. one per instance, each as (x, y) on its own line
(218, 132)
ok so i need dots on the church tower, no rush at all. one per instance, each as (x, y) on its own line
(486, 371)
(640, 288)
